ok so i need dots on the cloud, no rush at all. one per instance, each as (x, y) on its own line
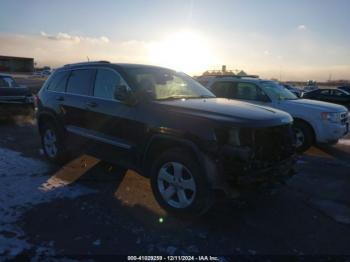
(62, 48)
(74, 38)
(301, 27)
(300, 56)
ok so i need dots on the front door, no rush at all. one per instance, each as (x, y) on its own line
(111, 122)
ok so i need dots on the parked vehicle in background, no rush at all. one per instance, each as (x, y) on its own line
(167, 127)
(293, 89)
(345, 88)
(310, 86)
(14, 99)
(44, 73)
(337, 96)
(314, 121)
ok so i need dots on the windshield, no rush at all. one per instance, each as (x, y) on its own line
(6, 81)
(277, 91)
(166, 84)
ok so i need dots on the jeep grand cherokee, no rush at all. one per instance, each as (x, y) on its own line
(166, 126)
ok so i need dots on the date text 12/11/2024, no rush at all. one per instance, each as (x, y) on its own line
(173, 258)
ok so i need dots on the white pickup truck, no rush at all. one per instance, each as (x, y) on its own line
(314, 121)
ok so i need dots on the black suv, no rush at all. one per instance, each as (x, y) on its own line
(166, 126)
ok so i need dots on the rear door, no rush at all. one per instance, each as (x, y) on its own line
(323, 95)
(75, 102)
(223, 89)
(248, 92)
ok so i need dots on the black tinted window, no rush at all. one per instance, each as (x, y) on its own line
(324, 92)
(106, 84)
(247, 91)
(222, 89)
(58, 82)
(79, 82)
(338, 93)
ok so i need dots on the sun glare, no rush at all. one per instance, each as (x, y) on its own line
(185, 51)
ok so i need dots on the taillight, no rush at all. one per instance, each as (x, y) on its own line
(36, 101)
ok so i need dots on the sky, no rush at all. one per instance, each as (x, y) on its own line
(287, 39)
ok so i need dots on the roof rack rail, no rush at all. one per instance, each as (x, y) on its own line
(88, 63)
(227, 75)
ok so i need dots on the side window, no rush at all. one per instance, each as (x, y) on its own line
(248, 91)
(324, 92)
(58, 82)
(79, 82)
(222, 89)
(338, 93)
(107, 84)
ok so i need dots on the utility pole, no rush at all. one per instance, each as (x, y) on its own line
(280, 73)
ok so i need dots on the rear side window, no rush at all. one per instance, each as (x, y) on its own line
(58, 82)
(324, 92)
(222, 89)
(79, 81)
(336, 92)
(107, 83)
(247, 91)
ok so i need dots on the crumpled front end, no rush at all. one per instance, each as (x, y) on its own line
(258, 155)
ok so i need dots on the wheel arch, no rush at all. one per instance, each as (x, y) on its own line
(46, 117)
(160, 143)
(301, 120)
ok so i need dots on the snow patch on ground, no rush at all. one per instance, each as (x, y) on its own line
(20, 181)
(345, 142)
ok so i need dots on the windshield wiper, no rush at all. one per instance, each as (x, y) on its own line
(174, 97)
(184, 97)
(206, 96)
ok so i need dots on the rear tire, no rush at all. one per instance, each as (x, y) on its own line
(52, 144)
(304, 136)
(178, 184)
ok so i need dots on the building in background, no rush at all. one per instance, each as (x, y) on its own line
(16, 64)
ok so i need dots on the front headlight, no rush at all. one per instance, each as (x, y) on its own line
(331, 117)
(234, 137)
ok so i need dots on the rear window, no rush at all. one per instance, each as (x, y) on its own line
(58, 82)
(79, 81)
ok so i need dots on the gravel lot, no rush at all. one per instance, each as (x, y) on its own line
(90, 208)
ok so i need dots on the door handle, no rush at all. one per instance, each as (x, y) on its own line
(60, 98)
(91, 104)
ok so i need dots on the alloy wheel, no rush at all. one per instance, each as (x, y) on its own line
(49, 141)
(300, 137)
(176, 185)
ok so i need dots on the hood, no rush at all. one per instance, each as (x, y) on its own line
(317, 105)
(234, 111)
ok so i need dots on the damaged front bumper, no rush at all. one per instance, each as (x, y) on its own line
(239, 166)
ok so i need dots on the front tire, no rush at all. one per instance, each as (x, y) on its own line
(304, 136)
(178, 184)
